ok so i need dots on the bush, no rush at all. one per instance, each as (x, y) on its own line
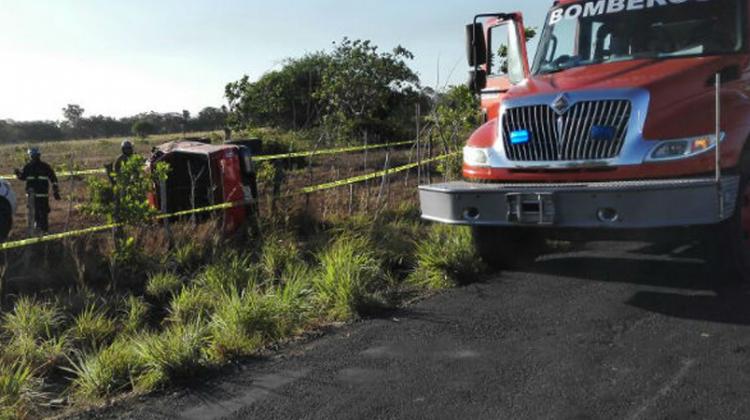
(348, 270)
(163, 285)
(446, 258)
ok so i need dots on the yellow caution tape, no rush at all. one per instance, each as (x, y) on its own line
(65, 174)
(330, 151)
(223, 206)
(311, 153)
(367, 177)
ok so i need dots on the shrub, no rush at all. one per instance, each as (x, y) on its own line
(348, 270)
(92, 327)
(163, 285)
(175, 354)
(19, 388)
(106, 373)
(33, 319)
(446, 258)
(191, 304)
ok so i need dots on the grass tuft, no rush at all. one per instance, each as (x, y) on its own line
(348, 271)
(19, 389)
(134, 316)
(92, 328)
(446, 258)
(191, 304)
(105, 373)
(176, 354)
(163, 285)
(30, 318)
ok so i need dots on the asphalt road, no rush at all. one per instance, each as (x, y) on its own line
(615, 331)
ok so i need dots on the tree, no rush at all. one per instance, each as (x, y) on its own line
(73, 114)
(360, 83)
(281, 98)
(210, 118)
(143, 128)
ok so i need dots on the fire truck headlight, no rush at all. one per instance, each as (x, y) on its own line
(682, 148)
(474, 156)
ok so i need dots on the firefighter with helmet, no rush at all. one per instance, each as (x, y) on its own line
(38, 176)
(127, 152)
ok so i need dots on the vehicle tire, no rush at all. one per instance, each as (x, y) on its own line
(728, 246)
(507, 248)
(6, 219)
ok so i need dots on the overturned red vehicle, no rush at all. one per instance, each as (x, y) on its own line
(202, 175)
(633, 121)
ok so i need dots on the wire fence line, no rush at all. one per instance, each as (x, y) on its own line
(223, 206)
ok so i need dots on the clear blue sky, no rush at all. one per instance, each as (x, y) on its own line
(118, 57)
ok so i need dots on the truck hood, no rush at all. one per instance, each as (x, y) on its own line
(672, 83)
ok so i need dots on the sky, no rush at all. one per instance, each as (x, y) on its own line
(119, 58)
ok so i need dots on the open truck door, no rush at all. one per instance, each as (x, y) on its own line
(496, 49)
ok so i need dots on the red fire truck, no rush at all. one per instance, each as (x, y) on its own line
(632, 121)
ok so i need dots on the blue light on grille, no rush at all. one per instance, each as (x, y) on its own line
(602, 133)
(519, 137)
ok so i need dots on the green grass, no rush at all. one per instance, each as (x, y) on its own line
(176, 354)
(163, 285)
(19, 390)
(446, 258)
(347, 273)
(30, 318)
(134, 314)
(92, 328)
(190, 305)
(105, 373)
(223, 305)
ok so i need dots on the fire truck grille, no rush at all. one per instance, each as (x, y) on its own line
(592, 130)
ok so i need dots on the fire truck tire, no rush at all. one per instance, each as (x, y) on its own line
(507, 248)
(6, 219)
(728, 246)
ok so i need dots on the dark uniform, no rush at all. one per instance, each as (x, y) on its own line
(38, 176)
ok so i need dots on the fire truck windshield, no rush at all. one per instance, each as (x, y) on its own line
(605, 31)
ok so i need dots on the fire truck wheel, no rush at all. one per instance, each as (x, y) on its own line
(507, 248)
(6, 219)
(728, 246)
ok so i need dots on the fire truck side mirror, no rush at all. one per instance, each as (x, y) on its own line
(477, 80)
(476, 47)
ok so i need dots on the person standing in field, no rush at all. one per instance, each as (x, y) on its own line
(127, 152)
(113, 171)
(38, 176)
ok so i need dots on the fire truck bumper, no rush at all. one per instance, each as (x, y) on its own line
(611, 205)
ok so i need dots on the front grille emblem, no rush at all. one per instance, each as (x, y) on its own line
(561, 104)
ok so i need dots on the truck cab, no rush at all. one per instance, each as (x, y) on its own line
(204, 175)
(631, 121)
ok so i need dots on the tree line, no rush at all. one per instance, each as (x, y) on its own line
(76, 125)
